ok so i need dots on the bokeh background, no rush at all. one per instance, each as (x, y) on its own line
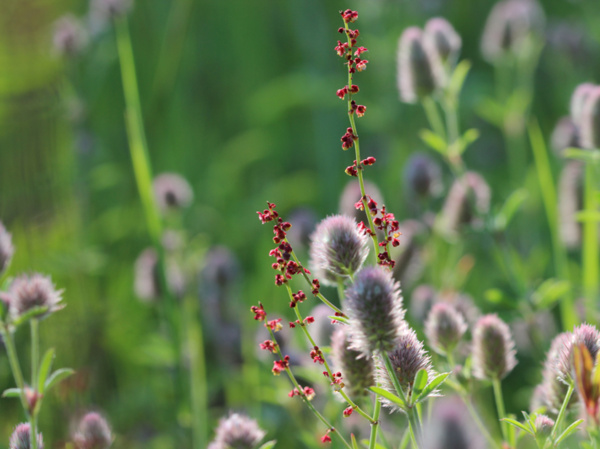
(239, 98)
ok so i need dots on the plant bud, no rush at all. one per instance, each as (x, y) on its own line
(444, 328)
(27, 292)
(419, 73)
(469, 196)
(570, 202)
(463, 304)
(493, 348)
(565, 135)
(374, 306)
(422, 176)
(578, 100)
(590, 120)
(93, 432)
(357, 373)
(543, 426)
(6, 249)
(172, 192)
(510, 24)
(442, 39)
(70, 38)
(408, 357)
(237, 432)
(338, 247)
(21, 438)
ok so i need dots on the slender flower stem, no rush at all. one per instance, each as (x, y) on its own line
(341, 290)
(484, 431)
(375, 424)
(15, 367)
(433, 116)
(35, 350)
(415, 429)
(563, 411)
(497, 386)
(590, 244)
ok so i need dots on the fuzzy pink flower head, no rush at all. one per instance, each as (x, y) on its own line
(419, 72)
(444, 328)
(493, 348)
(146, 280)
(111, 9)
(93, 432)
(37, 290)
(556, 373)
(357, 372)
(468, 198)
(21, 438)
(338, 247)
(70, 37)
(589, 122)
(585, 334)
(442, 39)
(570, 202)
(172, 192)
(422, 176)
(565, 135)
(374, 305)
(237, 431)
(578, 100)
(543, 426)
(7, 249)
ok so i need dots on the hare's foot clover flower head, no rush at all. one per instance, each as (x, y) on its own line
(338, 247)
(93, 432)
(21, 438)
(111, 9)
(357, 372)
(578, 100)
(407, 358)
(237, 431)
(422, 176)
(493, 349)
(590, 120)
(565, 135)
(70, 37)
(444, 328)
(6, 249)
(556, 373)
(35, 291)
(374, 306)
(172, 192)
(570, 202)
(146, 276)
(458, 208)
(442, 39)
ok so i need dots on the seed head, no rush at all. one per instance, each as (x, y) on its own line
(338, 247)
(543, 426)
(70, 38)
(556, 367)
(469, 196)
(590, 120)
(374, 306)
(419, 72)
(21, 438)
(444, 328)
(493, 348)
(509, 26)
(6, 249)
(357, 373)
(237, 431)
(570, 202)
(172, 192)
(442, 39)
(422, 176)
(93, 432)
(565, 135)
(578, 100)
(408, 357)
(37, 290)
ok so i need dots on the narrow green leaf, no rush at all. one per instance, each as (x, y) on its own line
(433, 140)
(549, 292)
(587, 215)
(389, 396)
(509, 208)
(341, 319)
(365, 442)
(591, 156)
(34, 312)
(568, 431)
(45, 368)
(12, 393)
(268, 444)
(420, 381)
(458, 77)
(516, 423)
(431, 386)
(57, 376)
(354, 443)
(470, 136)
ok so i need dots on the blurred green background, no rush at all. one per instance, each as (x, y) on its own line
(239, 98)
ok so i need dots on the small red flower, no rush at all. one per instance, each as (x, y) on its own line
(268, 345)
(326, 439)
(347, 412)
(259, 312)
(274, 325)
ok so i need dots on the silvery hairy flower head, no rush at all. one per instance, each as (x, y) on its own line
(93, 432)
(493, 348)
(374, 305)
(444, 328)
(70, 37)
(565, 135)
(469, 196)
(589, 122)
(146, 276)
(450, 427)
(26, 292)
(237, 431)
(585, 334)
(556, 367)
(7, 249)
(172, 192)
(578, 100)
(111, 9)
(21, 438)
(570, 202)
(543, 426)
(338, 247)
(407, 358)
(509, 26)
(357, 373)
(419, 72)
(442, 39)
(422, 176)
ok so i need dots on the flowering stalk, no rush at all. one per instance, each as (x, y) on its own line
(590, 252)
(498, 398)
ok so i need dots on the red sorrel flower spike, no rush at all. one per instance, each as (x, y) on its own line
(259, 312)
(349, 16)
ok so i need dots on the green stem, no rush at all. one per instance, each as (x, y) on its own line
(34, 431)
(478, 422)
(15, 367)
(341, 290)
(35, 350)
(433, 116)
(563, 411)
(497, 386)
(415, 429)
(547, 187)
(375, 424)
(590, 245)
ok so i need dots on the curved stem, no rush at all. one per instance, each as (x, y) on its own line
(375, 424)
(497, 386)
(15, 367)
(563, 411)
(433, 116)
